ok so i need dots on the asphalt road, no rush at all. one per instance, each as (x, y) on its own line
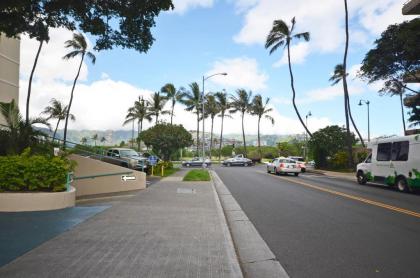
(325, 227)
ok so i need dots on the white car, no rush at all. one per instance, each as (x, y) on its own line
(283, 165)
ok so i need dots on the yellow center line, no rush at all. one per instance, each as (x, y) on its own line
(353, 197)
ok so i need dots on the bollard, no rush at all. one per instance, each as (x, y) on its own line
(162, 170)
(153, 167)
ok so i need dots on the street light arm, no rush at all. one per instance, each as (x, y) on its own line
(220, 73)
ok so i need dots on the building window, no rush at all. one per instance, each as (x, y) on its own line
(384, 152)
(400, 151)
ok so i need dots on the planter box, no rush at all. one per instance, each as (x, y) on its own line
(37, 201)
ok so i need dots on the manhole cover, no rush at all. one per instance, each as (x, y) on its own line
(185, 191)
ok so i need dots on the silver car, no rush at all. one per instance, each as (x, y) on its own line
(283, 165)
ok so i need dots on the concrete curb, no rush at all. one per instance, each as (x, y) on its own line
(255, 256)
(232, 256)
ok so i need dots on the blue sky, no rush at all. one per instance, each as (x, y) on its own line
(202, 37)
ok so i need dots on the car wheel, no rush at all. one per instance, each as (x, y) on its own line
(205, 165)
(125, 165)
(296, 174)
(402, 184)
(268, 170)
(361, 179)
(277, 172)
(303, 170)
(187, 165)
(245, 164)
(228, 165)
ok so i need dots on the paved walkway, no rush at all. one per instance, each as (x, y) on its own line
(172, 229)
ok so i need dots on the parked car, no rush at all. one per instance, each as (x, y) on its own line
(196, 161)
(393, 161)
(300, 161)
(237, 160)
(283, 165)
(128, 158)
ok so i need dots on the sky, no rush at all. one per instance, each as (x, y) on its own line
(202, 37)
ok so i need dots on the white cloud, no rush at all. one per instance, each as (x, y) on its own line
(182, 6)
(298, 54)
(324, 20)
(242, 72)
(50, 65)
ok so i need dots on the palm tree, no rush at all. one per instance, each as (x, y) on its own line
(192, 99)
(58, 112)
(79, 48)
(241, 103)
(336, 78)
(396, 88)
(173, 95)
(224, 105)
(103, 140)
(157, 103)
(259, 108)
(129, 118)
(83, 140)
(28, 98)
(211, 109)
(140, 112)
(95, 137)
(281, 34)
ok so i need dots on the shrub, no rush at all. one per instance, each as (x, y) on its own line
(33, 173)
(339, 160)
(157, 169)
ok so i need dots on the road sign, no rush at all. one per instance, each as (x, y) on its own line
(128, 178)
(152, 160)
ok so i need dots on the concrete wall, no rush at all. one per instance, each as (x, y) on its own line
(9, 70)
(88, 166)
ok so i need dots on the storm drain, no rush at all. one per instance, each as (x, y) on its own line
(185, 191)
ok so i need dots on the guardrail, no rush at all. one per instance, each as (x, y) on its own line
(70, 177)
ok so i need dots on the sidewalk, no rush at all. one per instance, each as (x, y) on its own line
(172, 229)
(348, 176)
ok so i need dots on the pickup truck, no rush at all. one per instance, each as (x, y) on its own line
(126, 158)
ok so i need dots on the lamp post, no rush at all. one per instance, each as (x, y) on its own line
(203, 102)
(367, 102)
(306, 135)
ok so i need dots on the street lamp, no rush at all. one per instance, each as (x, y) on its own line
(202, 100)
(367, 102)
(306, 135)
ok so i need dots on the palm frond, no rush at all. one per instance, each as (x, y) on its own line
(305, 35)
(91, 56)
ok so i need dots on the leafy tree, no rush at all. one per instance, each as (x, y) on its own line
(166, 139)
(281, 34)
(396, 55)
(173, 95)
(84, 140)
(18, 135)
(140, 112)
(241, 103)
(157, 104)
(337, 77)
(326, 142)
(413, 102)
(57, 111)
(79, 48)
(95, 138)
(103, 140)
(224, 105)
(211, 108)
(259, 108)
(192, 99)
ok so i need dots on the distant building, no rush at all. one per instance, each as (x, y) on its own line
(9, 70)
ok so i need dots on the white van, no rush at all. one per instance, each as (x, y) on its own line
(393, 161)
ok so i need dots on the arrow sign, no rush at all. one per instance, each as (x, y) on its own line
(128, 178)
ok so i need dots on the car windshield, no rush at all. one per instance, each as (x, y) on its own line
(128, 153)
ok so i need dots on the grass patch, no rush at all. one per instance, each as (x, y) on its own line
(167, 172)
(197, 175)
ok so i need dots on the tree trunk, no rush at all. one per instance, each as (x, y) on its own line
(346, 93)
(157, 117)
(221, 136)
(28, 98)
(71, 101)
(211, 135)
(243, 134)
(353, 123)
(259, 142)
(141, 130)
(293, 90)
(402, 111)
(138, 135)
(172, 112)
(55, 130)
(198, 131)
(132, 134)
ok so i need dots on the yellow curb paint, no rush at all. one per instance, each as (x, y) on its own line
(360, 199)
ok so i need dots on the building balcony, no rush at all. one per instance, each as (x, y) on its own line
(411, 7)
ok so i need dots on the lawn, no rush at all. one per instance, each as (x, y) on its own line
(166, 172)
(197, 175)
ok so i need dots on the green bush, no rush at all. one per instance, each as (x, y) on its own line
(339, 160)
(33, 173)
(157, 169)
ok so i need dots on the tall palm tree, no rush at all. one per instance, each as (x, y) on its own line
(79, 48)
(83, 140)
(139, 112)
(336, 78)
(157, 104)
(95, 138)
(241, 103)
(28, 97)
(224, 105)
(130, 118)
(57, 111)
(282, 34)
(211, 109)
(192, 99)
(173, 95)
(103, 140)
(396, 88)
(259, 108)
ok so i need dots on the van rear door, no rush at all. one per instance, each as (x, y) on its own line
(382, 167)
